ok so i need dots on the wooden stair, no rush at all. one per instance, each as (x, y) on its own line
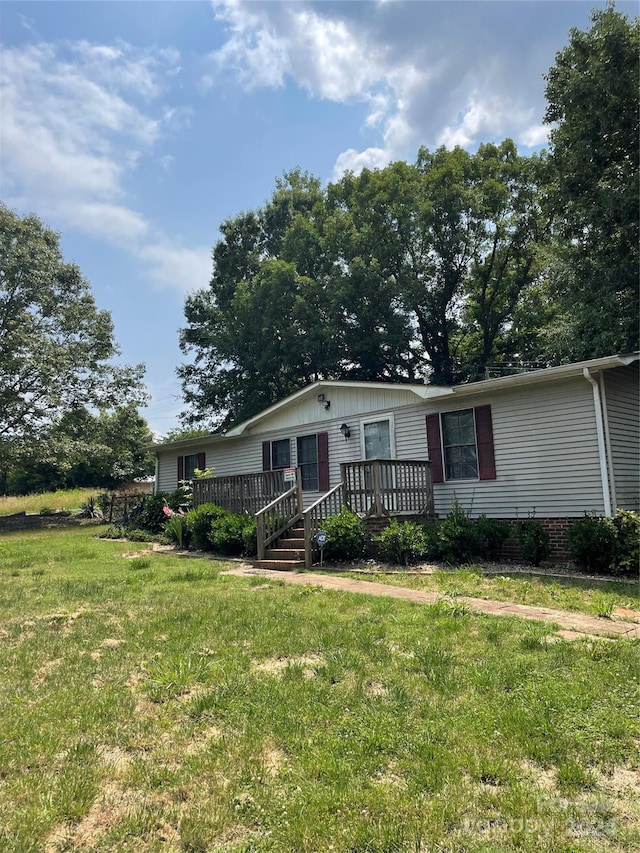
(286, 553)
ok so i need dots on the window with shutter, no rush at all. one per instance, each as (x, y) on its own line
(460, 445)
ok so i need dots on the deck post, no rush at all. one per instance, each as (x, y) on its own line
(260, 536)
(308, 547)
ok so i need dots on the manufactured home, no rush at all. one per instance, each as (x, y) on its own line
(552, 443)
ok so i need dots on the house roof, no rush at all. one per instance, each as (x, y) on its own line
(421, 392)
(547, 374)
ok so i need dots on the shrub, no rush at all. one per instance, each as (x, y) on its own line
(627, 526)
(489, 536)
(177, 529)
(534, 542)
(592, 543)
(458, 536)
(200, 521)
(249, 537)
(347, 536)
(90, 509)
(230, 532)
(402, 544)
(150, 515)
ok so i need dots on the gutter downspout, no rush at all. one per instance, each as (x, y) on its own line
(156, 475)
(602, 451)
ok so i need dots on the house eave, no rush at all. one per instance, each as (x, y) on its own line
(547, 374)
(422, 392)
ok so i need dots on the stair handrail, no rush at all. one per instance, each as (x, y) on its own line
(271, 524)
(313, 516)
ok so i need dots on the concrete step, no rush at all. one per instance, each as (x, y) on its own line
(283, 565)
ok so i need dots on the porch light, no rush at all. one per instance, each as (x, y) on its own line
(345, 429)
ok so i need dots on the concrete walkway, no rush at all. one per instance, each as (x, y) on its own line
(572, 625)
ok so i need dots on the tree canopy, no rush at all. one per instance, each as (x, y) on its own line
(437, 269)
(57, 370)
(592, 94)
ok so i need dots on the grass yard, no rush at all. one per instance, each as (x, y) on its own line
(150, 703)
(68, 499)
(596, 598)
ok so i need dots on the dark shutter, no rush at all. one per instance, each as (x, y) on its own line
(202, 461)
(323, 461)
(180, 468)
(435, 448)
(266, 455)
(484, 437)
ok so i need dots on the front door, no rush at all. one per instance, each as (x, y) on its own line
(377, 441)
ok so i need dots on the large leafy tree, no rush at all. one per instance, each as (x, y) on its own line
(397, 274)
(592, 94)
(84, 448)
(56, 346)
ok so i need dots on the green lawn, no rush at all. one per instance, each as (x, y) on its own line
(153, 704)
(596, 598)
(68, 499)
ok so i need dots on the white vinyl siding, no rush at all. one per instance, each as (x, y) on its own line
(623, 414)
(544, 436)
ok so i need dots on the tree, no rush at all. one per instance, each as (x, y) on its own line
(56, 347)
(592, 94)
(85, 449)
(396, 274)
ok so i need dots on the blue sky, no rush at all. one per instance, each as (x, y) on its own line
(135, 129)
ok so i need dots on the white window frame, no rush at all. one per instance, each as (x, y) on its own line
(374, 419)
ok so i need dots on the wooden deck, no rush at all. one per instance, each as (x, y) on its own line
(374, 488)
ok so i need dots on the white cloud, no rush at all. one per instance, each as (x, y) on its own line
(355, 161)
(177, 266)
(76, 121)
(429, 73)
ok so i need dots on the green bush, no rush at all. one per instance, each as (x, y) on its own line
(199, 521)
(592, 543)
(490, 535)
(230, 533)
(347, 536)
(176, 527)
(534, 542)
(404, 543)
(150, 516)
(627, 526)
(458, 537)
(249, 537)
(605, 545)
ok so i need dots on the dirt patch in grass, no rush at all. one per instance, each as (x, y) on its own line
(277, 666)
(111, 805)
(45, 671)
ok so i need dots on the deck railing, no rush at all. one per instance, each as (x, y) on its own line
(329, 504)
(240, 492)
(381, 487)
(278, 516)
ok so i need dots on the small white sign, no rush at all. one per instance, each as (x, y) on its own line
(289, 475)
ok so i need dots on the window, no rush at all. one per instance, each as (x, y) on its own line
(377, 439)
(188, 464)
(459, 445)
(308, 462)
(378, 443)
(281, 454)
(313, 459)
